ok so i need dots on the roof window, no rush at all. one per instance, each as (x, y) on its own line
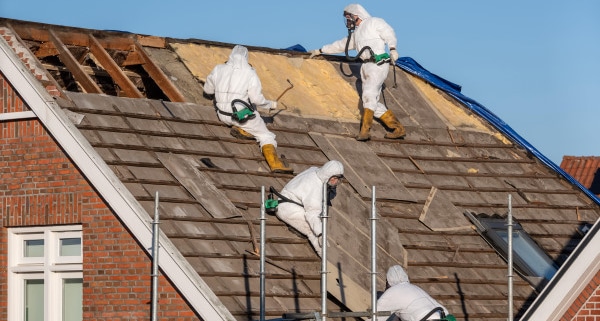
(529, 260)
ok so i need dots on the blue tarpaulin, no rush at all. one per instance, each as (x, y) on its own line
(296, 47)
(411, 66)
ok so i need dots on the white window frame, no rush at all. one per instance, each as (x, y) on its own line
(51, 268)
(57, 300)
(20, 293)
(20, 248)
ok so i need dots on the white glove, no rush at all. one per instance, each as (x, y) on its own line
(394, 55)
(316, 52)
(268, 105)
(273, 105)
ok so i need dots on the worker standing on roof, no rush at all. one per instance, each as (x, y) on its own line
(304, 205)
(408, 301)
(237, 90)
(369, 37)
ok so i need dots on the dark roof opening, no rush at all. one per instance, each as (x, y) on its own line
(595, 186)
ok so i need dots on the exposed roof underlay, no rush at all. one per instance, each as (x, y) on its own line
(138, 101)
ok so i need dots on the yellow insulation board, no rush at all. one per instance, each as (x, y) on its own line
(318, 88)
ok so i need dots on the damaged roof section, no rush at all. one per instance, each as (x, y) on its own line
(138, 102)
(92, 62)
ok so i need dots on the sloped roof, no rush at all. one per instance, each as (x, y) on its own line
(562, 295)
(585, 169)
(136, 107)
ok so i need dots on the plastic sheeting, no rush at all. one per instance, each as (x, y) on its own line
(296, 47)
(410, 65)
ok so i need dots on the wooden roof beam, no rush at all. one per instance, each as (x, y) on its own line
(113, 69)
(51, 84)
(159, 76)
(133, 58)
(46, 49)
(88, 84)
(27, 32)
(74, 36)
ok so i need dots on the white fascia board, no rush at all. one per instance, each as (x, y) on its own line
(570, 280)
(123, 203)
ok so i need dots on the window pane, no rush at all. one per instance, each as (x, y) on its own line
(34, 248)
(70, 246)
(537, 261)
(34, 300)
(73, 299)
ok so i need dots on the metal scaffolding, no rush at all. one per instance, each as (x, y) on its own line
(324, 314)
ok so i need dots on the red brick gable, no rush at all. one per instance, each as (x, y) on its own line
(40, 186)
(587, 305)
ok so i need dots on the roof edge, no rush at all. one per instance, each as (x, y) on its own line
(411, 66)
(569, 281)
(193, 288)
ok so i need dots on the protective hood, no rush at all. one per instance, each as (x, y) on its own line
(396, 275)
(357, 9)
(331, 168)
(238, 58)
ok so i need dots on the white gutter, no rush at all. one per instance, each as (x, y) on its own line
(569, 281)
(118, 197)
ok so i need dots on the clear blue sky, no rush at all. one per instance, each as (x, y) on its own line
(535, 64)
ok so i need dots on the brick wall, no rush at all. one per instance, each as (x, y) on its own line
(587, 305)
(40, 186)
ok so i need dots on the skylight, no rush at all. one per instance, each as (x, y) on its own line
(529, 259)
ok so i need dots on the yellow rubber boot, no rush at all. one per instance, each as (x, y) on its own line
(238, 132)
(273, 160)
(365, 126)
(392, 122)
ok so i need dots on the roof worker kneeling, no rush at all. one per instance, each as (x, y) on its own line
(408, 301)
(369, 36)
(237, 92)
(304, 200)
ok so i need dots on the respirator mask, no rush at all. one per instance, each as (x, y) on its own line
(350, 20)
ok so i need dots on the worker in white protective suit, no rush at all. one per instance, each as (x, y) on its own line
(304, 207)
(235, 84)
(407, 301)
(369, 33)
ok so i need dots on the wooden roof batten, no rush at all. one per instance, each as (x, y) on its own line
(159, 76)
(67, 58)
(113, 69)
(31, 61)
(54, 41)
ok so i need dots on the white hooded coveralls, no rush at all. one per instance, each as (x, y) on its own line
(408, 301)
(307, 189)
(236, 79)
(375, 33)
